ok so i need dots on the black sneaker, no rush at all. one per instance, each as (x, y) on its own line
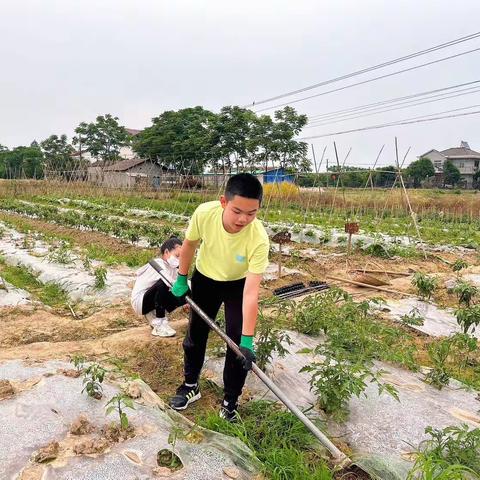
(185, 396)
(229, 411)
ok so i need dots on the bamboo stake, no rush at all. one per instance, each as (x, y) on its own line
(382, 271)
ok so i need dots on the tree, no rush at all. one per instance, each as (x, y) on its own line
(21, 162)
(102, 138)
(181, 139)
(231, 131)
(451, 174)
(289, 153)
(58, 155)
(385, 176)
(476, 179)
(420, 170)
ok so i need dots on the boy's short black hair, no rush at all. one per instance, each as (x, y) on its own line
(245, 185)
(170, 244)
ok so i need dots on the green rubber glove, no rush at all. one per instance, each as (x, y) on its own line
(180, 287)
(246, 347)
(247, 342)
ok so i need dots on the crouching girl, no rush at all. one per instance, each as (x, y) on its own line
(151, 297)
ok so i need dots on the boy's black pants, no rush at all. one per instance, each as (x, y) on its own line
(209, 295)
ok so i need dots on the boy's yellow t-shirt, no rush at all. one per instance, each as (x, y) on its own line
(227, 256)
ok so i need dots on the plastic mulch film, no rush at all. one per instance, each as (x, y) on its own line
(381, 431)
(44, 403)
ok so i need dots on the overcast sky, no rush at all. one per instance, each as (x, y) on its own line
(66, 61)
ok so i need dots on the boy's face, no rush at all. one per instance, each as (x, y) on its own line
(238, 212)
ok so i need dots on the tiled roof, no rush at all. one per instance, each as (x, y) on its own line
(460, 152)
(124, 165)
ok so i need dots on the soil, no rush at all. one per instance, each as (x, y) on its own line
(6, 389)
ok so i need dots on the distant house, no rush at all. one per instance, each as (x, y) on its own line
(463, 157)
(129, 173)
(274, 175)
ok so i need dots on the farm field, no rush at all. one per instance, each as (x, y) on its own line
(391, 374)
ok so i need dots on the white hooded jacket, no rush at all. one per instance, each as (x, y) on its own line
(147, 276)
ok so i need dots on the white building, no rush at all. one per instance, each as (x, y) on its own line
(466, 160)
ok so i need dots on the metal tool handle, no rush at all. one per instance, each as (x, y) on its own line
(338, 456)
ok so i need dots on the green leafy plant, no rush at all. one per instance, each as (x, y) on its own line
(93, 377)
(78, 362)
(459, 264)
(449, 453)
(87, 263)
(100, 274)
(465, 292)
(351, 327)
(269, 339)
(438, 352)
(468, 317)
(312, 314)
(337, 378)
(413, 318)
(377, 249)
(61, 254)
(118, 404)
(463, 346)
(284, 446)
(425, 284)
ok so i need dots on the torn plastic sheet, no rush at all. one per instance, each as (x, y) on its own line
(438, 322)
(79, 283)
(380, 430)
(44, 413)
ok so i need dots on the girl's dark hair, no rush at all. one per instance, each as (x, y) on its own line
(170, 244)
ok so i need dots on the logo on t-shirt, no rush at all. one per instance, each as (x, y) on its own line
(241, 258)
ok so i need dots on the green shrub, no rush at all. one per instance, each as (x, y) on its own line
(425, 284)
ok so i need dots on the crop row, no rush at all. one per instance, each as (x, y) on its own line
(94, 221)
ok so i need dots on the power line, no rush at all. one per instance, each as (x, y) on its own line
(393, 124)
(369, 69)
(320, 123)
(392, 100)
(371, 79)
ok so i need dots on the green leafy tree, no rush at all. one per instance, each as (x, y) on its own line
(385, 176)
(420, 170)
(476, 179)
(102, 138)
(451, 173)
(260, 143)
(21, 162)
(288, 152)
(58, 155)
(231, 131)
(181, 139)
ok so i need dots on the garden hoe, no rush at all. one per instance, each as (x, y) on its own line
(339, 458)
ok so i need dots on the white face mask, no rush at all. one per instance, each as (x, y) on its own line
(173, 261)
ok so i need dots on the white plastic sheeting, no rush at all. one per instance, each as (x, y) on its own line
(379, 429)
(33, 418)
(78, 282)
(11, 296)
(438, 322)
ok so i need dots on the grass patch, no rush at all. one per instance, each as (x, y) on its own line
(51, 293)
(280, 441)
(133, 258)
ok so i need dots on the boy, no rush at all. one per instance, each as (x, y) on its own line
(233, 256)
(151, 297)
